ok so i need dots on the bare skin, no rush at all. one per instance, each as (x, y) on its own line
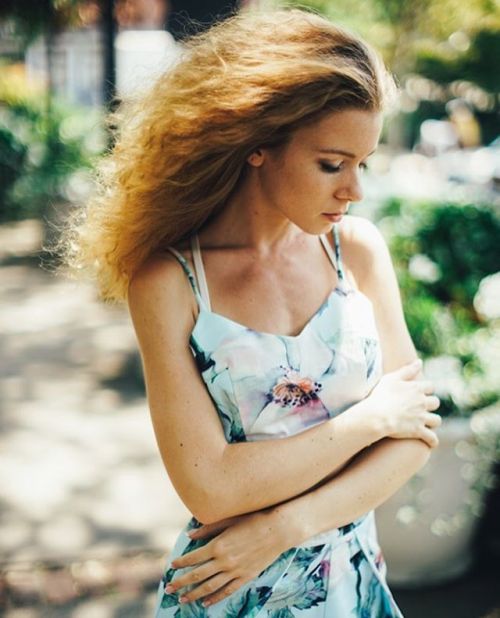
(264, 244)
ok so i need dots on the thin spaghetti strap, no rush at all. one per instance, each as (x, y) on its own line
(200, 270)
(338, 254)
(183, 262)
(329, 251)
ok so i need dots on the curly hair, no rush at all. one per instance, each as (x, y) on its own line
(182, 144)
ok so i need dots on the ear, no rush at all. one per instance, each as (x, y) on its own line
(256, 158)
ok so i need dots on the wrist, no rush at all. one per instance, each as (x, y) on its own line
(294, 520)
(364, 414)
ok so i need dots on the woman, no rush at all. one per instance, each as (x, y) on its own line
(275, 352)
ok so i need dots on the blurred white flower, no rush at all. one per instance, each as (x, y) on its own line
(445, 372)
(487, 299)
(422, 268)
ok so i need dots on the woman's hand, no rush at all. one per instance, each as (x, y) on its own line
(404, 405)
(241, 549)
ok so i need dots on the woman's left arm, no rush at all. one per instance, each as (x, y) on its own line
(245, 545)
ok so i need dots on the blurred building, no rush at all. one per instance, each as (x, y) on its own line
(142, 48)
(149, 35)
(77, 71)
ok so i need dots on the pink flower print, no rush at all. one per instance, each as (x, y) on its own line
(294, 390)
(380, 560)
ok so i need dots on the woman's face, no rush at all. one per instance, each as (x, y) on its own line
(318, 171)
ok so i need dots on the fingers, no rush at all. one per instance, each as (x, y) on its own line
(427, 387)
(429, 437)
(433, 420)
(202, 554)
(194, 576)
(410, 370)
(224, 592)
(432, 403)
(210, 586)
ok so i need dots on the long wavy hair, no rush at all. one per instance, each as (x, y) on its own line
(181, 146)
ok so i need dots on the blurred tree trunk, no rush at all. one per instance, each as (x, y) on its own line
(49, 35)
(108, 23)
(205, 12)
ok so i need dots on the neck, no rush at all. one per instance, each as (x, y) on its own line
(250, 220)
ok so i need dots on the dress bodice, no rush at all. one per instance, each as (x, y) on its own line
(266, 385)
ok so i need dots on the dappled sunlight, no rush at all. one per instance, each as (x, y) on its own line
(80, 470)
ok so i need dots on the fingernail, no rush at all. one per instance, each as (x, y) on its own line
(183, 600)
(169, 588)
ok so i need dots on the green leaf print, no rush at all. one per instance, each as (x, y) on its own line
(307, 578)
(202, 360)
(247, 605)
(232, 427)
(169, 600)
(192, 610)
(281, 613)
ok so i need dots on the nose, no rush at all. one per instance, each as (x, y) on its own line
(350, 189)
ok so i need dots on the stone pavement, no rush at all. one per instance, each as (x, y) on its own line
(80, 474)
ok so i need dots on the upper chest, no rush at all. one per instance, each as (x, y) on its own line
(275, 295)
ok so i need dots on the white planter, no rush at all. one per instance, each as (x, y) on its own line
(426, 529)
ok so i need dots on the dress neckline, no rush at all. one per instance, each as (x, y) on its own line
(339, 289)
(201, 278)
(200, 289)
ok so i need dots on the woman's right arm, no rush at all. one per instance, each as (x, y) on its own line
(214, 479)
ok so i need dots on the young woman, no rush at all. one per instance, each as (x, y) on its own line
(275, 352)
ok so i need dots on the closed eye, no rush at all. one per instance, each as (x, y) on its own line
(332, 169)
(329, 168)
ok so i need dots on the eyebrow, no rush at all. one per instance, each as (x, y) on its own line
(342, 152)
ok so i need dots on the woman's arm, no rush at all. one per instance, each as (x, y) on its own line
(207, 472)
(243, 548)
(215, 479)
(380, 470)
(369, 480)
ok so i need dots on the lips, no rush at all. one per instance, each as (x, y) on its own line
(333, 216)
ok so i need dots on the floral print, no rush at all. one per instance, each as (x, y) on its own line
(294, 390)
(269, 386)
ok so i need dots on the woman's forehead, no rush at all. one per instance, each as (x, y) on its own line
(353, 132)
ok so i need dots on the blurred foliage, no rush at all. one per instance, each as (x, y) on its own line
(398, 27)
(447, 41)
(40, 154)
(32, 17)
(473, 64)
(458, 246)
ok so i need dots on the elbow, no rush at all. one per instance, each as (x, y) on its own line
(203, 511)
(423, 453)
(412, 454)
(418, 453)
(209, 513)
(207, 507)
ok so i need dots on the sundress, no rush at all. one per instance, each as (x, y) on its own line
(268, 386)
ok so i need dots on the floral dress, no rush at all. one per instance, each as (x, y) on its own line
(267, 386)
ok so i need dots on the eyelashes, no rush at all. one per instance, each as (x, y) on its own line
(332, 169)
(328, 168)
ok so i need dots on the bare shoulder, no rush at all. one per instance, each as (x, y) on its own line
(371, 263)
(365, 248)
(361, 230)
(160, 296)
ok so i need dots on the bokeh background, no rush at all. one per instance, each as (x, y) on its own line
(88, 514)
